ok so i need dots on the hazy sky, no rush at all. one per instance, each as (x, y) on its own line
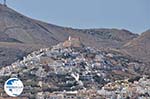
(133, 15)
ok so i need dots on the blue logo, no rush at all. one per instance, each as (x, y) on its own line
(13, 87)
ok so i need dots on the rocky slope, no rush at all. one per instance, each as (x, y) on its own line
(11, 52)
(139, 47)
(71, 66)
(19, 29)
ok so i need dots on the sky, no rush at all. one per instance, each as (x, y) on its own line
(133, 15)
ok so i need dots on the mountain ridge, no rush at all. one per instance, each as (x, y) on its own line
(18, 29)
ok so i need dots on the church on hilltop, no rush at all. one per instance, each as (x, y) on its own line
(73, 42)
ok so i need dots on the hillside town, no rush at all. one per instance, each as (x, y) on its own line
(70, 70)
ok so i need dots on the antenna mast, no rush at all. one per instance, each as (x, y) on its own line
(5, 3)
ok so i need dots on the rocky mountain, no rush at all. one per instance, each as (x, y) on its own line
(72, 66)
(139, 47)
(19, 30)
(17, 27)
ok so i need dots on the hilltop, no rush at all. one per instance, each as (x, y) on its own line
(72, 66)
(17, 29)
